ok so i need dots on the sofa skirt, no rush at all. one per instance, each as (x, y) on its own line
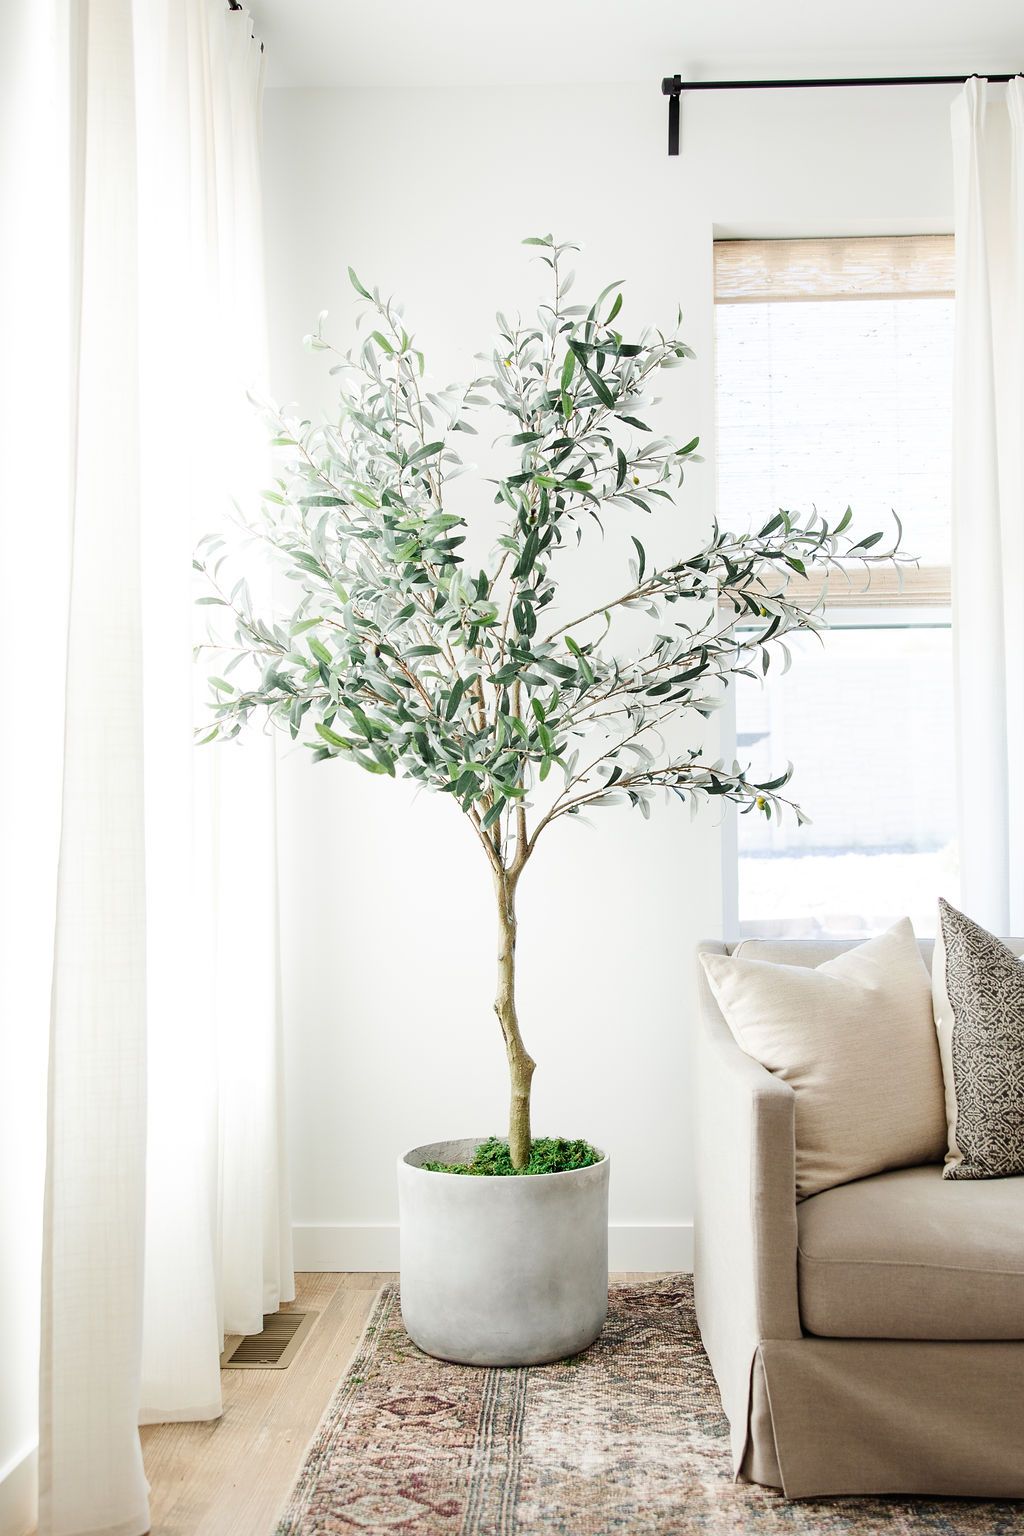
(849, 1416)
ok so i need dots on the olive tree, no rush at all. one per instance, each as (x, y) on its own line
(397, 655)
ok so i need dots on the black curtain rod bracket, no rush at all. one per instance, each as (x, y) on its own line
(673, 87)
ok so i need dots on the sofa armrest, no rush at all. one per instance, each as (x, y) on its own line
(745, 1270)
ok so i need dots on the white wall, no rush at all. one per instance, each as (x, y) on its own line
(387, 920)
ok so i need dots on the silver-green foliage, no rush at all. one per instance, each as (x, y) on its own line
(397, 656)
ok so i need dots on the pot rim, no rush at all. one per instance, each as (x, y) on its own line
(495, 1178)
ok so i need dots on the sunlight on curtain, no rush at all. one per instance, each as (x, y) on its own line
(217, 1214)
(213, 881)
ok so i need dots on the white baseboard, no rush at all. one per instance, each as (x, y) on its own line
(346, 1246)
(651, 1249)
(18, 1483)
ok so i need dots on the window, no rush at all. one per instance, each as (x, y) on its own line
(834, 388)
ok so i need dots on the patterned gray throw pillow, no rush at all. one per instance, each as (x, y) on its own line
(978, 997)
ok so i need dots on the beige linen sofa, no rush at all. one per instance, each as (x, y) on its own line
(869, 1339)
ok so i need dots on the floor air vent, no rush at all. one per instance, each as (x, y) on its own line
(274, 1348)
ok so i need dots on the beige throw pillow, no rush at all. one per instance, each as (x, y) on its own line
(855, 1039)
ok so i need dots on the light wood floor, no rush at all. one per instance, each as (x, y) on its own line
(231, 1477)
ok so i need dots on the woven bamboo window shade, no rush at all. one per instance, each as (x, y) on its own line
(864, 267)
(870, 268)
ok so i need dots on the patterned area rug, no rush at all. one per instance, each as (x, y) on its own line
(627, 1438)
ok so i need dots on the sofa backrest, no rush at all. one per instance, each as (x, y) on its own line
(817, 951)
(782, 952)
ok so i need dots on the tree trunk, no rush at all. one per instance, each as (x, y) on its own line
(520, 1063)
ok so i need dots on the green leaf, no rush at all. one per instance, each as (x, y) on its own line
(361, 721)
(328, 735)
(600, 388)
(866, 543)
(525, 621)
(383, 343)
(530, 551)
(454, 699)
(369, 763)
(357, 285)
(426, 452)
(642, 555)
(319, 650)
(609, 288)
(614, 309)
(504, 676)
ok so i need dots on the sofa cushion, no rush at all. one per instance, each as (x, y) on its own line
(855, 1039)
(909, 1255)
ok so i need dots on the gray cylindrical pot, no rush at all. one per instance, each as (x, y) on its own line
(502, 1271)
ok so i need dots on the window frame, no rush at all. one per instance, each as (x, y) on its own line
(912, 597)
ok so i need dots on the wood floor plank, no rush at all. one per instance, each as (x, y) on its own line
(231, 1477)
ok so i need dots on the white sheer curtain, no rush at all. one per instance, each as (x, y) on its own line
(988, 499)
(33, 387)
(165, 1216)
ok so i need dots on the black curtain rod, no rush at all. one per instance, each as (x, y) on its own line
(673, 87)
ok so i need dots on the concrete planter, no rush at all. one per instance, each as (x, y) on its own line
(502, 1271)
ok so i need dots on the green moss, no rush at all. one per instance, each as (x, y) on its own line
(549, 1154)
